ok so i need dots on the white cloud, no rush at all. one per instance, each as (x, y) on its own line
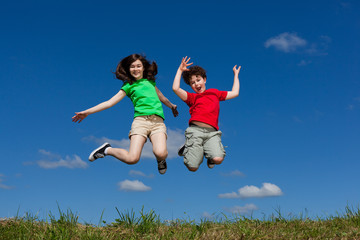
(354, 104)
(2, 185)
(139, 173)
(55, 161)
(247, 209)
(345, 4)
(228, 195)
(350, 107)
(286, 42)
(304, 63)
(320, 47)
(134, 186)
(207, 215)
(267, 190)
(174, 141)
(235, 173)
(297, 119)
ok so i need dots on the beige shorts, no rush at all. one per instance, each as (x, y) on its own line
(147, 126)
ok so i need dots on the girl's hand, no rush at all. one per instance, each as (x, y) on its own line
(236, 70)
(184, 64)
(174, 110)
(79, 116)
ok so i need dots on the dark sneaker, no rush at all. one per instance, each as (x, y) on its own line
(99, 152)
(162, 166)
(181, 151)
(210, 163)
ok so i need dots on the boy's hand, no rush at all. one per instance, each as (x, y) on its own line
(174, 110)
(236, 70)
(184, 64)
(79, 116)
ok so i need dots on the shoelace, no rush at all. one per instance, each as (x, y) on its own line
(162, 164)
(99, 155)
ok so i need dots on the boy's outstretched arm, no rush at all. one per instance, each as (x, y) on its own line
(176, 85)
(167, 103)
(79, 116)
(236, 85)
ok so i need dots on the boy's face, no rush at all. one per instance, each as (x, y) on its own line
(197, 83)
(137, 69)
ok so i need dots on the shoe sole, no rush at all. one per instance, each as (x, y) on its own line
(91, 158)
(163, 170)
(181, 151)
(210, 165)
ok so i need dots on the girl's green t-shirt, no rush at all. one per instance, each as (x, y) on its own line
(144, 97)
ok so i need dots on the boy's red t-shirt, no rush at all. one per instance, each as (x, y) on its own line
(205, 106)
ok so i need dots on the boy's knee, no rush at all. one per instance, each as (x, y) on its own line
(217, 160)
(192, 169)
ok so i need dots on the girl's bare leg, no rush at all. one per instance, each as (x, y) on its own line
(160, 151)
(158, 141)
(133, 155)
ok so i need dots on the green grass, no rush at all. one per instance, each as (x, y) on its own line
(147, 225)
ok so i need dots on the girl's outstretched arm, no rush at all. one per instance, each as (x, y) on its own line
(236, 86)
(176, 85)
(167, 103)
(79, 116)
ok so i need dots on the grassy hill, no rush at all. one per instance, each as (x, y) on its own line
(148, 226)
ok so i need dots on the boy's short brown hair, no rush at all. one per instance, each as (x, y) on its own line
(193, 70)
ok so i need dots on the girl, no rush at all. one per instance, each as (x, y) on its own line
(138, 75)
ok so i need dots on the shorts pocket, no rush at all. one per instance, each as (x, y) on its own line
(189, 142)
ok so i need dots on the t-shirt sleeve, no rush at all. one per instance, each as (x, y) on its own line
(222, 95)
(190, 99)
(125, 87)
(152, 82)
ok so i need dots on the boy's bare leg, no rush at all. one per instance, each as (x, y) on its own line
(133, 155)
(192, 169)
(217, 160)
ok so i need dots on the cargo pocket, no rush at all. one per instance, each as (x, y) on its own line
(222, 149)
(189, 142)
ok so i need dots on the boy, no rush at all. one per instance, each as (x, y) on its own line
(202, 136)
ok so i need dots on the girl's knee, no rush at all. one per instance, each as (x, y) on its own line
(133, 160)
(161, 155)
(218, 160)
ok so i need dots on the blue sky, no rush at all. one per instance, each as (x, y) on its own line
(292, 135)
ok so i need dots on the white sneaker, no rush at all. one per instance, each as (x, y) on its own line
(162, 167)
(210, 163)
(181, 151)
(99, 152)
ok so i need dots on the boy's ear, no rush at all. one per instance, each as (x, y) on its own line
(204, 79)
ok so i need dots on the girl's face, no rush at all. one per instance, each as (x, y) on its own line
(137, 69)
(197, 83)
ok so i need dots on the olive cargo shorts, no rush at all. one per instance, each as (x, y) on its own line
(201, 141)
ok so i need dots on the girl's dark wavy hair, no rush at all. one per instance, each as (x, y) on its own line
(193, 70)
(123, 68)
